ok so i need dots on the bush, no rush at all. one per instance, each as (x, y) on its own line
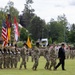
(20, 44)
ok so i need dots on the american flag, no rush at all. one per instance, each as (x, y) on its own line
(4, 33)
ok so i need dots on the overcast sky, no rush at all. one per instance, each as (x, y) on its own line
(47, 9)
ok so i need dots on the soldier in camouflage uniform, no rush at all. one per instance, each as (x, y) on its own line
(32, 54)
(36, 56)
(53, 57)
(23, 56)
(5, 57)
(27, 55)
(13, 59)
(16, 56)
(1, 58)
(46, 55)
(19, 49)
(8, 57)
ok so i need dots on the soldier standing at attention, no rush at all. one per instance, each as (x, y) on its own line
(23, 56)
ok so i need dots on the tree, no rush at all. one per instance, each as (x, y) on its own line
(54, 30)
(2, 17)
(10, 9)
(73, 27)
(58, 29)
(50, 41)
(23, 34)
(36, 28)
(27, 15)
(63, 21)
(72, 34)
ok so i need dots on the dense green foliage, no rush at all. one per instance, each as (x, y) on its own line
(23, 34)
(36, 28)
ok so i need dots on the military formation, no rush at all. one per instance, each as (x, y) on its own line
(11, 55)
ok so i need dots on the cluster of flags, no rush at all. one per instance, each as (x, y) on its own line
(6, 30)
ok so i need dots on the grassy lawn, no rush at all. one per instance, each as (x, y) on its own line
(69, 65)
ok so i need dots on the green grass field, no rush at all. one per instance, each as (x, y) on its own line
(69, 65)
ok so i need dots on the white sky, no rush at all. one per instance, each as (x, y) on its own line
(47, 9)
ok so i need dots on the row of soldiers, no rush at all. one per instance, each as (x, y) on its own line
(10, 56)
(49, 55)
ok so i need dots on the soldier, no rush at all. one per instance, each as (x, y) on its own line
(1, 58)
(19, 49)
(27, 55)
(16, 56)
(13, 59)
(53, 57)
(46, 55)
(5, 55)
(32, 54)
(67, 53)
(8, 57)
(23, 56)
(12, 49)
(36, 56)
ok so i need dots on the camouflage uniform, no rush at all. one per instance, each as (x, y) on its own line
(46, 55)
(16, 57)
(1, 59)
(36, 55)
(13, 60)
(8, 57)
(19, 49)
(5, 57)
(32, 54)
(67, 53)
(23, 56)
(53, 57)
(27, 55)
